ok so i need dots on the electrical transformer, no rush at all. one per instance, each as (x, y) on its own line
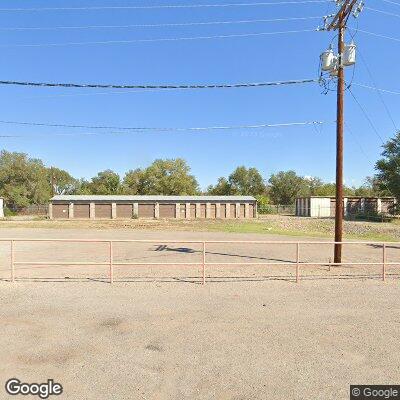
(328, 60)
(349, 54)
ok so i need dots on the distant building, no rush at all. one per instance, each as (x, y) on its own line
(320, 207)
(184, 207)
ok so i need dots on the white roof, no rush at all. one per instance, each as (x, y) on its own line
(150, 198)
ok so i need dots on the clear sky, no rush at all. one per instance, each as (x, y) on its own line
(211, 154)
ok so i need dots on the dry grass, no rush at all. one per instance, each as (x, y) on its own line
(271, 224)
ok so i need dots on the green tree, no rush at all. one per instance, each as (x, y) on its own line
(222, 188)
(162, 177)
(23, 180)
(388, 167)
(263, 204)
(372, 187)
(106, 182)
(326, 189)
(242, 181)
(286, 186)
(62, 181)
(245, 181)
(132, 182)
(313, 185)
(82, 187)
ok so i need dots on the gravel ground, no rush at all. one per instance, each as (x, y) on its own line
(157, 333)
(242, 340)
(219, 255)
(326, 226)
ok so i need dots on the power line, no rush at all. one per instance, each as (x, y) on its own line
(383, 12)
(159, 25)
(145, 129)
(194, 86)
(365, 154)
(375, 88)
(93, 8)
(364, 111)
(378, 92)
(379, 35)
(348, 129)
(242, 35)
(391, 2)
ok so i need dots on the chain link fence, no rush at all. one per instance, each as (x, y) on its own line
(327, 212)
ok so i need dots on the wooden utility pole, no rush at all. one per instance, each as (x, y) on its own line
(339, 23)
(52, 180)
(339, 151)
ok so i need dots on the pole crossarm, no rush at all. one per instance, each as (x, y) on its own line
(342, 15)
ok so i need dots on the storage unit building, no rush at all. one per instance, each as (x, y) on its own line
(181, 207)
(319, 207)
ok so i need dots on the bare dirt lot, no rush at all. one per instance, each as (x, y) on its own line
(157, 333)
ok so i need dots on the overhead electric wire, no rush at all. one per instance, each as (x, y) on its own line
(376, 88)
(383, 12)
(249, 21)
(193, 86)
(367, 117)
(143, 129)
(174, 39)
(391, 2)
(166, 6)
(352, 134)
(364, 111)
(378, 92)
(379, 35)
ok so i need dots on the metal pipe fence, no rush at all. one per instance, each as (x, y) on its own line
(111, 263)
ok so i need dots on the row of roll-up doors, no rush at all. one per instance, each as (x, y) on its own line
(104, 211)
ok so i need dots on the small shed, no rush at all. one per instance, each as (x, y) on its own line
(320, 207)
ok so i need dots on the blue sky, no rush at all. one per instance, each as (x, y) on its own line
(241, 59)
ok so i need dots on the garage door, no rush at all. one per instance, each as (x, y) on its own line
(251, 211)
(81, 210)
(60, 211)
(213, 211)
(202, 211)
(233, 210)
(193, 211)
(103, 211)
(223, 211)
(124, 210)
(183, 211)
(146, 211)
(167, 210)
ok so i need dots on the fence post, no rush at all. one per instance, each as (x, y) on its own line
(204, 263)
(297, 261)
(110, 248)
(12, 261)
(384, 262)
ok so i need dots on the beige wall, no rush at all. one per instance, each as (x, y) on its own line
(211, 210)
